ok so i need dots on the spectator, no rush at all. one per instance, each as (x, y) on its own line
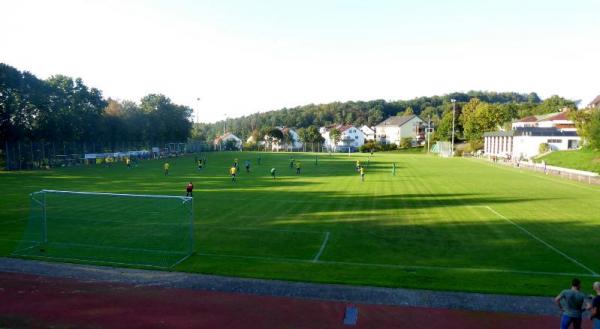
(595, 307)
(570, 302)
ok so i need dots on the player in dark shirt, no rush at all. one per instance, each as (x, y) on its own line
(189, 189)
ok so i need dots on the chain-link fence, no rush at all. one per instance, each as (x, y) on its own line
(27, 155)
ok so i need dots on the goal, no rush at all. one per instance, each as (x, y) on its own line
(109, 228)
(443, 149)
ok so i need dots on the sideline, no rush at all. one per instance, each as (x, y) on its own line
(551, 247)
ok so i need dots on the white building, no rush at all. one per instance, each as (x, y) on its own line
(350, 138)
(559, 120)
(393, 129)
(368, 132)
(595, 103)
(524, 142)
(222, 140)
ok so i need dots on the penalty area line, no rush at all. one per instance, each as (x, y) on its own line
(323, 245)
(540, 240)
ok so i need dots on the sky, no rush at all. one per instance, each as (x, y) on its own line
(230, 58)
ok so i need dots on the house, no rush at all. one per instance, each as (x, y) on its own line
(368, 132)
(351, 138)
(227, 139)
(524, 142)
(393, 129)
(294, 142)
(558, 120)
(595, 103)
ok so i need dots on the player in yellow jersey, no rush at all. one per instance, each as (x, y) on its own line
(298, 166)
(362, 174)
(357, 165)
(166, 168)
(233, 172)
(128, 162)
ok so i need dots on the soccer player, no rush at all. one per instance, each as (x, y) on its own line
(200, 164)
(247, 165)
(273, 172)
(128, 163)
(362, 174)
(298, 168)
(233, 172)
(291, 162)
(189, 189)
(357, 165)
(166, 168)
(236, 164)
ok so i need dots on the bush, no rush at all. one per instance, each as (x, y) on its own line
(405, 143)
(370, 145)
(544, 147)
(250, 146)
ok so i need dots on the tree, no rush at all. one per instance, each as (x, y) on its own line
(553, 104)
(335, 136)
(478, 117)
(593, 134)
(274, 136)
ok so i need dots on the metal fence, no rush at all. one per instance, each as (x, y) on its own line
(28, 155)
(566, 173)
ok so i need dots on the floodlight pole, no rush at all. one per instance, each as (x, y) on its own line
(428, 131)
(453, 115)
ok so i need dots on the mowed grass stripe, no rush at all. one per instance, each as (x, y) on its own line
(410, 226)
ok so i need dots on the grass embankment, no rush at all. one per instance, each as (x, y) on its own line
(583, 159)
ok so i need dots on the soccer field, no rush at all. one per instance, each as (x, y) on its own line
(447, 224)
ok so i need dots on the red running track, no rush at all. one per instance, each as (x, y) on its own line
(28, 301)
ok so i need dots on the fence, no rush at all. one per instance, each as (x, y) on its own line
(566, 173)
(37, 155)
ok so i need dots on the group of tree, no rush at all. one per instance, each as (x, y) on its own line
(438, 109)
(61, 108)
(588, 126)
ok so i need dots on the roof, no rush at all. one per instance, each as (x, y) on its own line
(532, 131)
(225, 136)
(343, 128)
(564, 115)
(595, 102)
(397, 120)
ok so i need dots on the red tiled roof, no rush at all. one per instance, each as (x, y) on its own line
(529, 119)
(564, 115)
(343, 128)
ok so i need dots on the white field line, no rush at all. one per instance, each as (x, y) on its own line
(551, 247)
(101, 262)
(217, 228)
(323, 245)
(396, 266)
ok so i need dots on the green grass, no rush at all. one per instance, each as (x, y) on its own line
(583, 159)
(446, 224)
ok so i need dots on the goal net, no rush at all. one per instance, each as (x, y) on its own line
(444, 149)
(107, 228)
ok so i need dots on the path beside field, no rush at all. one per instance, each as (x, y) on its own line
(35, 294)
(344, 293)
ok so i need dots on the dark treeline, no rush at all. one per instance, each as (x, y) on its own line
(65, 109)
(438, 108)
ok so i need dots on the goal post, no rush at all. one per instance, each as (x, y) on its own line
(109, 228)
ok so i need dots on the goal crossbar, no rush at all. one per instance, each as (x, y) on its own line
(156, 196)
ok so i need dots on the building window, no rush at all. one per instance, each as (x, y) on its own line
(555, 141)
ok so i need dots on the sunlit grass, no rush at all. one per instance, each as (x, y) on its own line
(431, 225)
